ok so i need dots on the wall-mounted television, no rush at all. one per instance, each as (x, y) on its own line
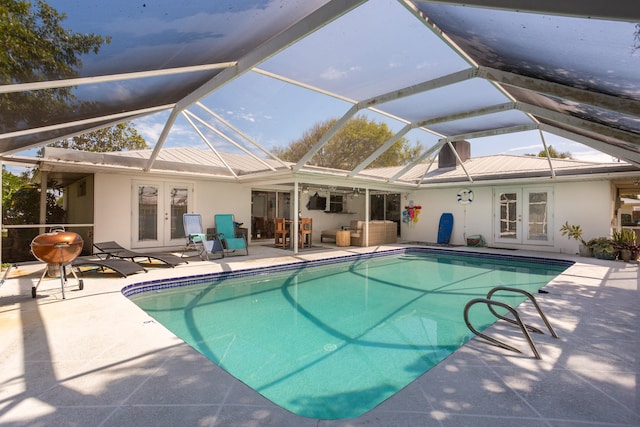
(317, 203)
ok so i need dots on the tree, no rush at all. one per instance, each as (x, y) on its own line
(120, 137)
(10, 184)
(553, 153)
(35, 47)
(350, 146)
(21, 205)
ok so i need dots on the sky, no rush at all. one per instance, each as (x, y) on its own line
(365, 53)
(264, 126)
(356, 64)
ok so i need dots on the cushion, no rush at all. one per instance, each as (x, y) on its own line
(356, 225)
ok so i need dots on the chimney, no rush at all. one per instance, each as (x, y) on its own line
(446, 157)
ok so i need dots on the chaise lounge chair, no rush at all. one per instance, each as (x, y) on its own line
(227, 232)
(197, 240)
(114, 250)
(121, 266)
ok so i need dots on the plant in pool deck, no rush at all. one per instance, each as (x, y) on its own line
(603, 248)
(625, 242)
(575, 232)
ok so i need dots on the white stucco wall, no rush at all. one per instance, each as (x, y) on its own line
(113, 206)
(113, 213)
(332, 221)
(588, 204)
(470, 219)
(212, 198)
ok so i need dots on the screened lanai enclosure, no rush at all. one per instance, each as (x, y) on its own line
(243, 78)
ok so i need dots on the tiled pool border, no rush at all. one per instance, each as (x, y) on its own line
(174, 282)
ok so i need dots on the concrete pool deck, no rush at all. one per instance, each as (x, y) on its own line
(95, 359)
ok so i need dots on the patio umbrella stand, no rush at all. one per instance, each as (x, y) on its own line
(57, 248)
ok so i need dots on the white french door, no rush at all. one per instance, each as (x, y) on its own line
(157, 213)
(523, 215)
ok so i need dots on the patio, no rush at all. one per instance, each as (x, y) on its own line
(95, 359)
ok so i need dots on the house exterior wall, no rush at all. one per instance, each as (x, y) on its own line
(587, 203)
(113, 210)
(572, 201)
(355, 208)
(212, 198)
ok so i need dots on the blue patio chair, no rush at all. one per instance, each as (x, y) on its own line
(197, 240)
(226, 229)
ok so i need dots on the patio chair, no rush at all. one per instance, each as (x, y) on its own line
(306, 229)
(226, 230)
(197, 239)
(121, 266)
(114, 250)
(281, 232)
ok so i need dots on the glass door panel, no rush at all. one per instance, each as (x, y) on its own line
(523, 215)
(509, 221)
(386, 207)
(157, 213)
(537, 217)
(147, 206)
(284, 205)
(263, 214)
(178, 205)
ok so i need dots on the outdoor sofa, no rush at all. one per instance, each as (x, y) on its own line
(380, 233)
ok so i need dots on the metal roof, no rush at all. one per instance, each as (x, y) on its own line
(501, 167)
(462, 70)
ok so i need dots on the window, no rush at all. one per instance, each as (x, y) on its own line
(336, 203)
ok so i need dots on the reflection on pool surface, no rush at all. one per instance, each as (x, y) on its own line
(335, 340)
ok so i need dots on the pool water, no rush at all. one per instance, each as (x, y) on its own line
(334, 341)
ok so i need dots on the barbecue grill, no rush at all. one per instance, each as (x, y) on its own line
(57, 248)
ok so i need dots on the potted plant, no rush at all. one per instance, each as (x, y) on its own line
(625, 242)
(575, 232)
(603, 248)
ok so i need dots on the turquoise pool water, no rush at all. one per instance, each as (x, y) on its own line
(333, 341)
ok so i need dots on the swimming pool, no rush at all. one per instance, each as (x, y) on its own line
(334, 338)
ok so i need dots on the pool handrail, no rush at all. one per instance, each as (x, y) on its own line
(495, 341)
(535, 304)
(518, 321)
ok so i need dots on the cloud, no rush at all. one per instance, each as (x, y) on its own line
(333, 73)
(593, 156)
(527, 147)
(149, 129)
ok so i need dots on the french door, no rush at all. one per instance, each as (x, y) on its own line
(157, 213)
(523, 215)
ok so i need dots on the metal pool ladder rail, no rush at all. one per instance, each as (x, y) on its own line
(518, 321)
